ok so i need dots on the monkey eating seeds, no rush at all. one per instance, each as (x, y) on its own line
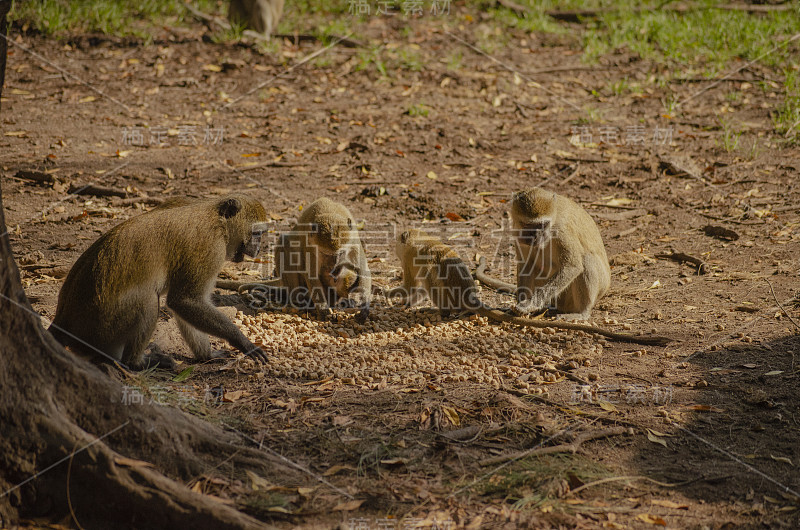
(561, 259)
(320, 262)
(429, 266)
(109, 303)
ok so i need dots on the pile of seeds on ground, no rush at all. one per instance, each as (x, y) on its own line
(414, 347)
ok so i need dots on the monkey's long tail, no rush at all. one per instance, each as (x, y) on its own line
(239, 287)
(498, 285)
(648, 340)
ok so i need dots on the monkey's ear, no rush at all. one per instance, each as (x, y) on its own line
(404, 237)
(314, 227)
(349, 223)
(229, 207)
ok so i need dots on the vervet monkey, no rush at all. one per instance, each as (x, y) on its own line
(261, 16)
(429, 266)
(320, 262)
(561, 259)
(109, 302)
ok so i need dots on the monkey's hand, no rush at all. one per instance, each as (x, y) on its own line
(257, 353)
(531, 305)
(363, 315)
(323, 313)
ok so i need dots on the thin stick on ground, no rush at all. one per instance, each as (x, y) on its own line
(631, 477)
(780, 305)
(571, 447)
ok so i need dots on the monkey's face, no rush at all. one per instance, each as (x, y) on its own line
(344, 278)
(245, 219)
(252, 245)
(534, 233)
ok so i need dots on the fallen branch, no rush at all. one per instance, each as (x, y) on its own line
(720, 232)
(37, 177)
(97, 191)
(269, 164)
(153, 201)
(578, 14)
(680, 257)
(571, 447)
(632, 477)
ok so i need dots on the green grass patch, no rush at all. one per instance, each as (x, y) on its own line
(111, 17)
(787, 115)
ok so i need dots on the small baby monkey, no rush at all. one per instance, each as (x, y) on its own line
(561, 259)
(429, 266)
(321, 261)
(109, 303)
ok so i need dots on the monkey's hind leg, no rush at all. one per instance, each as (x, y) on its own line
(133, 353)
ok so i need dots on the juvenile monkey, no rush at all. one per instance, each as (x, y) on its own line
(321, 261)
(261, 16)
(109, 302)
(343, 280)
(561, 259)
(429, 266)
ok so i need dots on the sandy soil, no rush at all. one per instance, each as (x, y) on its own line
(397, 417)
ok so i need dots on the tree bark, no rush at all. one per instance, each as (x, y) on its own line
(63, 421)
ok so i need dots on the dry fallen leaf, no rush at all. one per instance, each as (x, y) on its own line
(452, 415)
(652, 519)
(608, 407)
(656, 439)
(231, 397)
(336, 469)
(453, 216)
(349, 506)
(783, 459)
(256, 482)
(394, 461)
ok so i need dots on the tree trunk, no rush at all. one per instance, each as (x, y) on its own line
(53, 404)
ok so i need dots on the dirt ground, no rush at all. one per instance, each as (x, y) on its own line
(395, 422)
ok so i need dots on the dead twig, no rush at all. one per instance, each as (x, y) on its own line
(571, 447)
(781, 305)
(269, 164)
(152, 201)
(632, 477)
(40, 178)
(680, 257)
(97, 191)
(578, 14)
(568, 375)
